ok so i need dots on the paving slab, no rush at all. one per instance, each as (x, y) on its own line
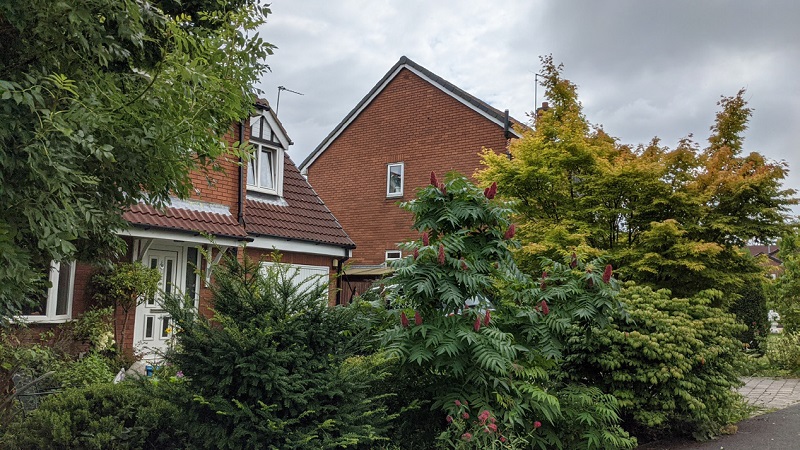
(771, 393)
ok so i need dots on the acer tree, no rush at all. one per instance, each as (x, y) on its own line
(669, 218)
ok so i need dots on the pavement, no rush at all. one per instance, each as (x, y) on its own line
(776, 430)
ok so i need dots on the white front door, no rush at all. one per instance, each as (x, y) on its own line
(153, 326)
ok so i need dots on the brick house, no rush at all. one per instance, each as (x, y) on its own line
(265, 204)
(410, 123)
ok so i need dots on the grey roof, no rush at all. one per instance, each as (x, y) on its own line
(448, 86)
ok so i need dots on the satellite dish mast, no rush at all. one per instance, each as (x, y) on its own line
(278, 103)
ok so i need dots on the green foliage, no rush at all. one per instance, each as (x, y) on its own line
(105, 103)
(673, 366)
(122, 287)
(751, 310)
(95, 326)
(108, 416)
(92, 368)
(668, 218)
(277, 367)
(783, 351)
(125, 284)
(785, 293)
(475, 330)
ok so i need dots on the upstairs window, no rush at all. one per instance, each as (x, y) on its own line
(263, 169)
(54, 304)
(394, 180)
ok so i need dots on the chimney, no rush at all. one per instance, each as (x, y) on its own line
(545, 107)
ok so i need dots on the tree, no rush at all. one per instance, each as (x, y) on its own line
(669, 218)
(105, 103)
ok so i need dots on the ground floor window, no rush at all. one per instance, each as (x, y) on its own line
(54, 303)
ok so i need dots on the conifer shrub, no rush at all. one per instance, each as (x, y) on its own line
(277, 367)
(673, 365)
(128, 415)
(751, 310)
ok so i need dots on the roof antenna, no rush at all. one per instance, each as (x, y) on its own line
(278, 103)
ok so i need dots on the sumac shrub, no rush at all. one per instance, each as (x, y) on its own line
(480, 336)
(673, 365)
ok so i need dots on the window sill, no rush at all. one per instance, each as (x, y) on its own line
(41, 319)
(251, 188)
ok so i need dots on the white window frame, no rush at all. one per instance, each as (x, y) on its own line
(399, 255)
(389, 167)
(50, 315)
(277, 169)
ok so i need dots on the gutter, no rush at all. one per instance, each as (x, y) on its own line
(339, 265)
(240, 205)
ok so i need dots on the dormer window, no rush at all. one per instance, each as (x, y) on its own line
(265, 168)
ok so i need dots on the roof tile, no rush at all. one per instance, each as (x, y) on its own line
(305, 217)
(224, 225)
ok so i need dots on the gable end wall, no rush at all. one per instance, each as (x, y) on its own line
(410, 121)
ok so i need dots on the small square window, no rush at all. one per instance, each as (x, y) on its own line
(393, 255)
(394, 180)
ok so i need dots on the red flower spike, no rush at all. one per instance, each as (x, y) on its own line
(434, 181)
(537, 424)
(512, 230)
(416, 254)
(465, 415)
(487, 319)
(607, 273)
(574, 261)
(545, 308)
(443, 188)
(449, 419)
(477, 325)
(417, 318)
(458, 403)
(492, 427)
(403, 320)
(543, 285)
(426, 239)
(491, 191)
(441, 253)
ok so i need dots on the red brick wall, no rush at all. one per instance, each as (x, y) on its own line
(220, 186)
(410, 121)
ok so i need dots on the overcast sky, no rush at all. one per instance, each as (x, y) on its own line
(643, 68)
